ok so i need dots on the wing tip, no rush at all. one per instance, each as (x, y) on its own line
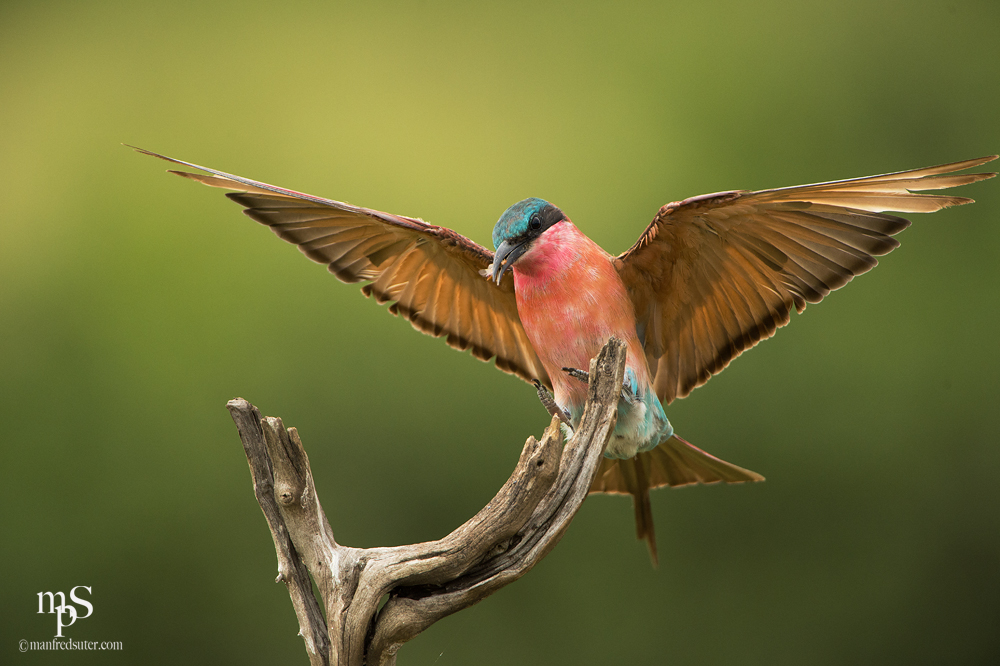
(143, 151)
(979, 161)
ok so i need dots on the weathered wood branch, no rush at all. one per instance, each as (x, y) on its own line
(426, 581)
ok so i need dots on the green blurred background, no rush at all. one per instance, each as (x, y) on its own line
(133, 305)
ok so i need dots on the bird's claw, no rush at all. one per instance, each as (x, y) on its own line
(627, 394)
(550, 404)
(578, 374)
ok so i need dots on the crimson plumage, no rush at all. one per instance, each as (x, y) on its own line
(710, 277)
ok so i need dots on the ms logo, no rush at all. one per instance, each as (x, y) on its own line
(66, 614)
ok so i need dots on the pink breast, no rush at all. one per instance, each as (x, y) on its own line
(571, 300)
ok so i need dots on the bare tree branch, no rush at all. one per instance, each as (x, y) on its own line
(424, 581)
(291, 570)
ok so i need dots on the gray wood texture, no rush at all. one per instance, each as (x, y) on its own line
(426, 581)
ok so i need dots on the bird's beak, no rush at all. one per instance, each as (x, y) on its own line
(505, 257)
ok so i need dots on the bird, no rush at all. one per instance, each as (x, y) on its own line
(709, 278)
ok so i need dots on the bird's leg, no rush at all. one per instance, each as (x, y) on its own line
(550, 404)
(578, 374)
(628, 394)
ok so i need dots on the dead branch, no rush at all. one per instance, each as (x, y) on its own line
(424, 581)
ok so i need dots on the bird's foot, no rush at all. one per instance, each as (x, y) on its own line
(578, 374)
(628, 395)
(550, 404)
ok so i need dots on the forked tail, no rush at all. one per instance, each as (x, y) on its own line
(673, 463)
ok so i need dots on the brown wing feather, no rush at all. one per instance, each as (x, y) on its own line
(431, 275)
(713, 275)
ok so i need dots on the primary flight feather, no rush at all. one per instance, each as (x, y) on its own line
(709, 278)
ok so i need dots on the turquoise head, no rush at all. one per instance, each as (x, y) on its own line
(518, 228)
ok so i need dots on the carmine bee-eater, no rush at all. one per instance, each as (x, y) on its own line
(710, 277)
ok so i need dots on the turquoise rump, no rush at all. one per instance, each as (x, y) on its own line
(710, 277)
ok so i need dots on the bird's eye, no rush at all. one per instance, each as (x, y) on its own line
(535, 222)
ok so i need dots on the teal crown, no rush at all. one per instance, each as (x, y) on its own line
(515, 221)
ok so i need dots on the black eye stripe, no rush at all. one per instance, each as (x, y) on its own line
(539, 221)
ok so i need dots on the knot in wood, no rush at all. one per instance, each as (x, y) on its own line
(502, 547)
(286, 493)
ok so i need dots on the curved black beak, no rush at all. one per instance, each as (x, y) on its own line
(505, 257)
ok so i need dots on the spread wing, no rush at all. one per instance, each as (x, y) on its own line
(713, 275)
(431, 274)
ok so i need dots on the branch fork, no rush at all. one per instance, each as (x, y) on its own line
(426, 581)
